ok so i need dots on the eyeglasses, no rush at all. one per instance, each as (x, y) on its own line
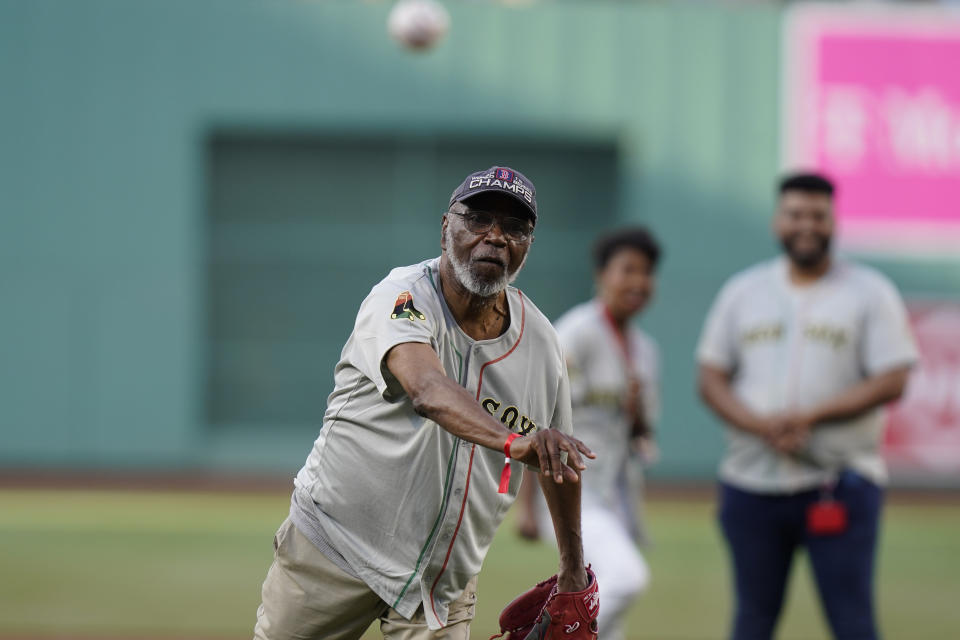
(480, 222)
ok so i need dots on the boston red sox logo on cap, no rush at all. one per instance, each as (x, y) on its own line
(502, 180)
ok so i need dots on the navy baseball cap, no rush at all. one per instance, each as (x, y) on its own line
(498, 180)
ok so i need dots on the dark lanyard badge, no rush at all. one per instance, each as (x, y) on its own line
(827, 516)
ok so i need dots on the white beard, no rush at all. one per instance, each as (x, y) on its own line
(470, 281)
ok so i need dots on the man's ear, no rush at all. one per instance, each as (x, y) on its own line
(443, 231)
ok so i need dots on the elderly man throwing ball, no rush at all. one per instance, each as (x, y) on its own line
(449, 378)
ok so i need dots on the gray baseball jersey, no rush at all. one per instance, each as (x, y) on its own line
(407, 506)
(598, 370)
(792, 347)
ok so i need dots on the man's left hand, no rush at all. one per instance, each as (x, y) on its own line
(543, 449)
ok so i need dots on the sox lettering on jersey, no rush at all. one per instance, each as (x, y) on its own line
(510, 416)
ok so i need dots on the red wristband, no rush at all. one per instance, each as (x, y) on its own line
(506, 445)
(505, 474)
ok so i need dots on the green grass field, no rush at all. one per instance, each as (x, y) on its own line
(189, 565)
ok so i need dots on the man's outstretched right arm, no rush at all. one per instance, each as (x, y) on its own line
(435, 396)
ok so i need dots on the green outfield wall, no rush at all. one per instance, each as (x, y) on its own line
(195, 197)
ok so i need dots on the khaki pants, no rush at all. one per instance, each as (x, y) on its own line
(305, 596)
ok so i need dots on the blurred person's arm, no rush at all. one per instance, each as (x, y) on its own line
(643, 436)
(888, 352)
(635, 409)
(717, 392)
(856, 400)
(784, 435)
(718, 355)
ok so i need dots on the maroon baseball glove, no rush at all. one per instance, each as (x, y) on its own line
(542, 613)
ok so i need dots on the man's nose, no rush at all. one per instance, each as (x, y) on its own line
(807, 223)
(495, 234)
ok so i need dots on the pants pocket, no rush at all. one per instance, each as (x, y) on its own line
(281, 536)
(464, 608)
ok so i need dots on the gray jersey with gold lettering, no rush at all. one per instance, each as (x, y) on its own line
(791, 347)
(410, 508)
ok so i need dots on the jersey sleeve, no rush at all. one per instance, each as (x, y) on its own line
(388, 317)
(887, 339)
(718, 340)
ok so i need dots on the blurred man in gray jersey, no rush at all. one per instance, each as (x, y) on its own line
(797, 356)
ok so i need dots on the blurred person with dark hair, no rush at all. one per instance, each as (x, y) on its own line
(614, 381)
(798, 355)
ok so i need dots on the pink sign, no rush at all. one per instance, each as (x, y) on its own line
(873, 100)
(923, 431)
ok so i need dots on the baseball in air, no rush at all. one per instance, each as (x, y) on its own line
(418, 24)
